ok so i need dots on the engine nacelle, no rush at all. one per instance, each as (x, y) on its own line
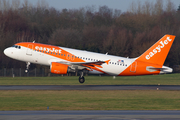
(58, 68)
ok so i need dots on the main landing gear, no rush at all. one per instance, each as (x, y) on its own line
(27, 66)
(81, 77)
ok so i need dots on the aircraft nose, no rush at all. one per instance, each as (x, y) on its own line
(8, 52)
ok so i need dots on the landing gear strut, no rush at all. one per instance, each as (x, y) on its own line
(27, 66)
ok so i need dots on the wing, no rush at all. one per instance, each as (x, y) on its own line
(87, 65)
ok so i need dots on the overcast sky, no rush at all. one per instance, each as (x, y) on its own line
(122, 5)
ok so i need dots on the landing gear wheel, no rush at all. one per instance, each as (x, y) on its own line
(26, 71)
(81, 79)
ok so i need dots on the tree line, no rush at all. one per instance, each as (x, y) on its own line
(101, 30)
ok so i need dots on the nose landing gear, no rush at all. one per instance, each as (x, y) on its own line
(27, 66)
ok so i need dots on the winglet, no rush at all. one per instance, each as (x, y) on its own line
(159, 51)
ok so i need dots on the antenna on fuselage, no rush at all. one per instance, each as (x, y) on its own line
(34, 41)
(107, 53)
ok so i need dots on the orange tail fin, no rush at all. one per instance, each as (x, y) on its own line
(159, 51)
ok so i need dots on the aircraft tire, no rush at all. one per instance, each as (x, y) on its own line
(81, 80)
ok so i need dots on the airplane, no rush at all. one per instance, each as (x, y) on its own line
(63, 60)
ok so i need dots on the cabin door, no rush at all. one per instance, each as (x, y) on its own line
(29, 49)
(133, 67)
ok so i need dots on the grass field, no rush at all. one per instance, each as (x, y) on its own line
(91, 99)
(167, 79)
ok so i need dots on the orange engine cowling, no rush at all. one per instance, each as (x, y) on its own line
(58, 68)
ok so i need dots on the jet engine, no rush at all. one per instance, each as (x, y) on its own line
(58, 68)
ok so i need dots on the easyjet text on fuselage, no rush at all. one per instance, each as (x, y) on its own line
(48, 49)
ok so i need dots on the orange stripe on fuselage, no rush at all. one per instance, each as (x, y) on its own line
(94, 68)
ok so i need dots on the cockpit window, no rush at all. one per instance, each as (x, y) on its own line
(16, 46)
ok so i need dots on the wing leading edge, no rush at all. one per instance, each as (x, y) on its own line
(88, 65)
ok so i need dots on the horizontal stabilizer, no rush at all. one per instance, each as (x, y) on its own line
(164, 69)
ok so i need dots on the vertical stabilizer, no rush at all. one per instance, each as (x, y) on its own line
(159, 51)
